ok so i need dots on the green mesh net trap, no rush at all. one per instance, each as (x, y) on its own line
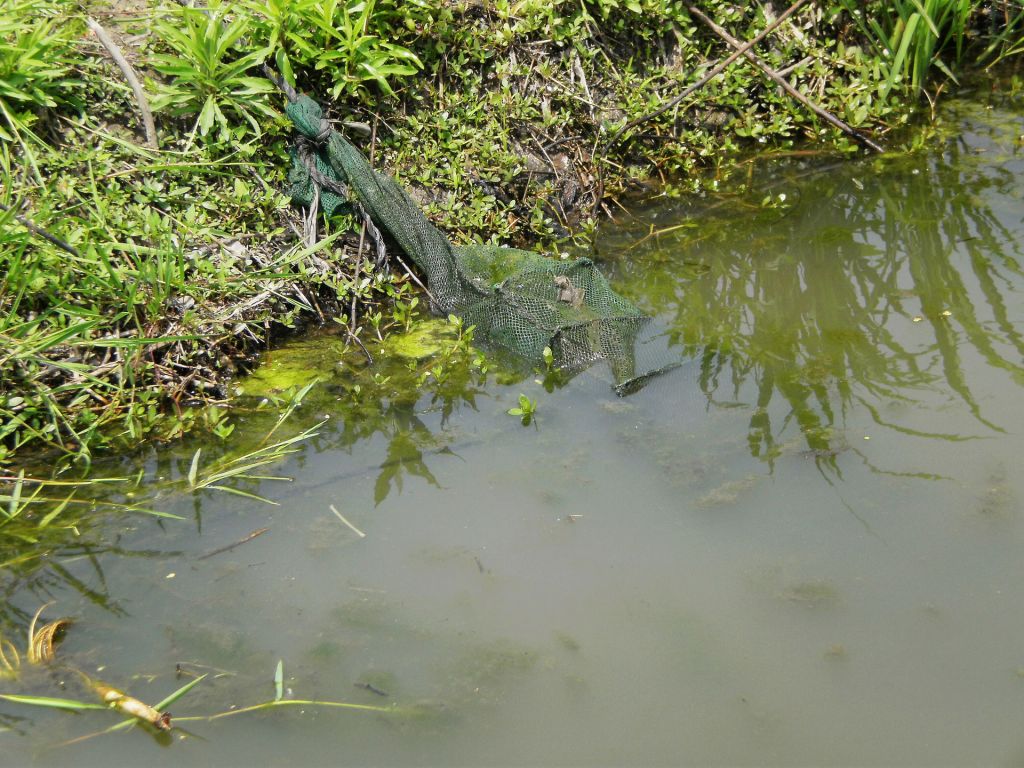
(517, 299)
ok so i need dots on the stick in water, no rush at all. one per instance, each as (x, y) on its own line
(229, 547)
(341, 517)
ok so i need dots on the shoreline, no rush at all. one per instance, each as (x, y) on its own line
(178, 265)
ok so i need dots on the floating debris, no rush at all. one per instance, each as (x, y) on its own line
(371, 688)
(836, 652)
(129, 705)
(40, 648)
(341, 517)
(812, 594)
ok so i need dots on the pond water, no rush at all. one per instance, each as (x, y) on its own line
(802, 547)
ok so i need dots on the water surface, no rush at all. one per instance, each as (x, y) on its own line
(802, 547)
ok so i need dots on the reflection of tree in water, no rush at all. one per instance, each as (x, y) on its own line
(398, 406)
(408, 438)
(805, 298)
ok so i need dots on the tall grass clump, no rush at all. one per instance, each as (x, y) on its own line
(912, 38)
(352, 42)
(35, 71)
(207, 76)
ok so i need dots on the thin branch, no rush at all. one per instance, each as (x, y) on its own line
(412, 276)
(711, 74)
(43, 233)
(359, 343)
(229, 547)
(129, 75)
(341, 517)
(776, 77)
(707, 78)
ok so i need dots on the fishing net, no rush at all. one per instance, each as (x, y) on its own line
(517, 299)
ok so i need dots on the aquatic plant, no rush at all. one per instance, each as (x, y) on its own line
(44, 522)
(158, 720)
(526, 409)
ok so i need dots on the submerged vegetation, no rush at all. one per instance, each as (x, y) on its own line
(156, 718)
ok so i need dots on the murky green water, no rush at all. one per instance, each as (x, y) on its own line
(804, 547)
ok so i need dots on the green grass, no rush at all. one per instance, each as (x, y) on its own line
(913, 37)
(35, 65)
(206, 75)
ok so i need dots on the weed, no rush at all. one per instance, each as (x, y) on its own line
(348, 40)
(526, 410)
(912, 37)
(209, 76)
(35, 64)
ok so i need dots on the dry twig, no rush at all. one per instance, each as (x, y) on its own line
(129, 74)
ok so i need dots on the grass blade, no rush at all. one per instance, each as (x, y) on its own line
(162, 705)
(53, 703)
(55, 511)
(243, 494)
(193, 470)
(15, 498)
(387, 709)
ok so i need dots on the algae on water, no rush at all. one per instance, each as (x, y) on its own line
(427, 338)
(329, 357)
(294, 365)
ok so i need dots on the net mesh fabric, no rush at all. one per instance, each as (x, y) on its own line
(517, 299)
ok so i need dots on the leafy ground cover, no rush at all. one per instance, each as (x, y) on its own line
(136, 281)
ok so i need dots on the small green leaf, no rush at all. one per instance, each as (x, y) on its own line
(279, 680)
(193, 470)
(206, 117)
